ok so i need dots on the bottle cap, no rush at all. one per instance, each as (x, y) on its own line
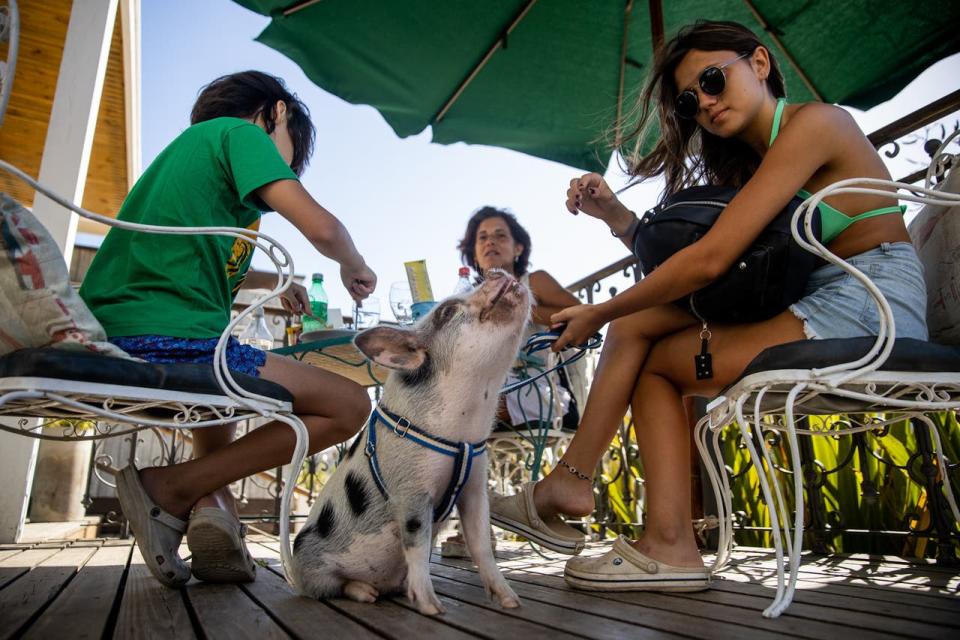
(464, 272)
(318, 276)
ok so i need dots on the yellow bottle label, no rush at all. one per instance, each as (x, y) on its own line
(419, 280)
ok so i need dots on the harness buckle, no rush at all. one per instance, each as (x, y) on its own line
(369, 450)
(402, 422)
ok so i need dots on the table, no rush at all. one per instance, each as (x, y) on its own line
(334, 351)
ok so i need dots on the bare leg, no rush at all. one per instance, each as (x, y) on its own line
(625, 350)
(205, 442)
(662, 428)
(333, 409)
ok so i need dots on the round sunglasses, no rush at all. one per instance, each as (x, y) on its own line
(712, 82)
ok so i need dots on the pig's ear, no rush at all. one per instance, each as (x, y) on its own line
(393, 348)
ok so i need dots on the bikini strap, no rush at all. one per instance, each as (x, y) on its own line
(775, 129)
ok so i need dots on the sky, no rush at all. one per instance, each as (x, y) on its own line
(407, 199)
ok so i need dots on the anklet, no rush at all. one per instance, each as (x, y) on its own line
(561, 462)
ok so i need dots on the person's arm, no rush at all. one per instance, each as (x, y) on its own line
(550, 297)
(592, 195)
(324, 231)
(294, 299)
(787, 166)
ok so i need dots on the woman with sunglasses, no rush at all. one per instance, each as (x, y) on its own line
(719, 98)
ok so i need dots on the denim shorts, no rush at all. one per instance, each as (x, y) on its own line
(241, 358)
(836, 305)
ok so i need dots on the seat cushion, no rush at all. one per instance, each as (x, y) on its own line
(908, 354)
(93, 367)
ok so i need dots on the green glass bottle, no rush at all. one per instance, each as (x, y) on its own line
(318, 306)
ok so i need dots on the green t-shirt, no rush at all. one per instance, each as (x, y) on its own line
(183, 286)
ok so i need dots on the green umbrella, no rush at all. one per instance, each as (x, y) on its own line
(548, 77)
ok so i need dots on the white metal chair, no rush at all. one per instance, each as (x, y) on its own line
(128, 395)
(860, 378)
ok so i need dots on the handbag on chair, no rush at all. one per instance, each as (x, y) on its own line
(770, 275)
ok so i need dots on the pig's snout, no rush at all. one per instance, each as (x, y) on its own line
(500, 296)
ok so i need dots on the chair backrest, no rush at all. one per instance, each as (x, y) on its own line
(935, 233)
(803, 234)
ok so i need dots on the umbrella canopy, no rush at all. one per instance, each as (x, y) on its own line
(548, 77)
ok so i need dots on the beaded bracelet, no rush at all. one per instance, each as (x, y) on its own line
(573, 470)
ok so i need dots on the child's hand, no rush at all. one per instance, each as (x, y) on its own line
(295, 300)
(591, 194)
(360, 282)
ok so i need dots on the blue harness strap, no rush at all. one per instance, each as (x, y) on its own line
(463, 454)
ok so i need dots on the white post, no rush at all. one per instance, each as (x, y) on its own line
(18, 456)
(73, 119)
(66, 157)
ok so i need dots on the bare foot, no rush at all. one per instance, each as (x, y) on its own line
(680, 554)
(562, 493)
(154, 481)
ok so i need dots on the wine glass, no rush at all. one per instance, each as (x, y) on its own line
(401, 301)
(366, 314)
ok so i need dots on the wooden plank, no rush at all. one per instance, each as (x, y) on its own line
(17, 565)
(8, 553)
(396, 621)
(225, 611)
(871, 577)
(850, 600)
(31, 593)
(385, 617)
(834, 611)
(83, 608)
(299, 616)
(557, 621)
(920, 602)
(716, 613)
(150, 610)
(649, 617)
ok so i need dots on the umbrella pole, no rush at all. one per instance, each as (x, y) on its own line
(483, 62)
(623, 63)
(656, 24)
(773, 36)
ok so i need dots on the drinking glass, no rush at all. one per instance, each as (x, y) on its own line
(401, 301)
(366, 314)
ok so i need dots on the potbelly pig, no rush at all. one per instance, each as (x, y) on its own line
(371, 530)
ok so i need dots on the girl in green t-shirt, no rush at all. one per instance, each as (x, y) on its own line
(167, 299)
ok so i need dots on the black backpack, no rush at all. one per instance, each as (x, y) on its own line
(769, 277)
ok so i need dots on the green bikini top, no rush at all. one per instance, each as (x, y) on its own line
(833, 222)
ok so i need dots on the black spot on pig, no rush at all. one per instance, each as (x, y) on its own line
(356, 443)
(413, 524)
(324, 524)
(356, 493)
(302, 536)
(420, 375)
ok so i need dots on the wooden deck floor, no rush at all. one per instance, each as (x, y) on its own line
(101, 589)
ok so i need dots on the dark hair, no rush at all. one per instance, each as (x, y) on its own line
(685, 153)
(468, 243)
(252, 94)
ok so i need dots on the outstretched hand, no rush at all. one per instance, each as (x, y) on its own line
(582, 321)
(359, 282)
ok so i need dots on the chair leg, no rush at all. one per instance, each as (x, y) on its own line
(942, 520)
(290, 483)
(778, 607)
(768, 499)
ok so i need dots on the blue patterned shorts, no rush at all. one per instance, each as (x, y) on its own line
(167, 349)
